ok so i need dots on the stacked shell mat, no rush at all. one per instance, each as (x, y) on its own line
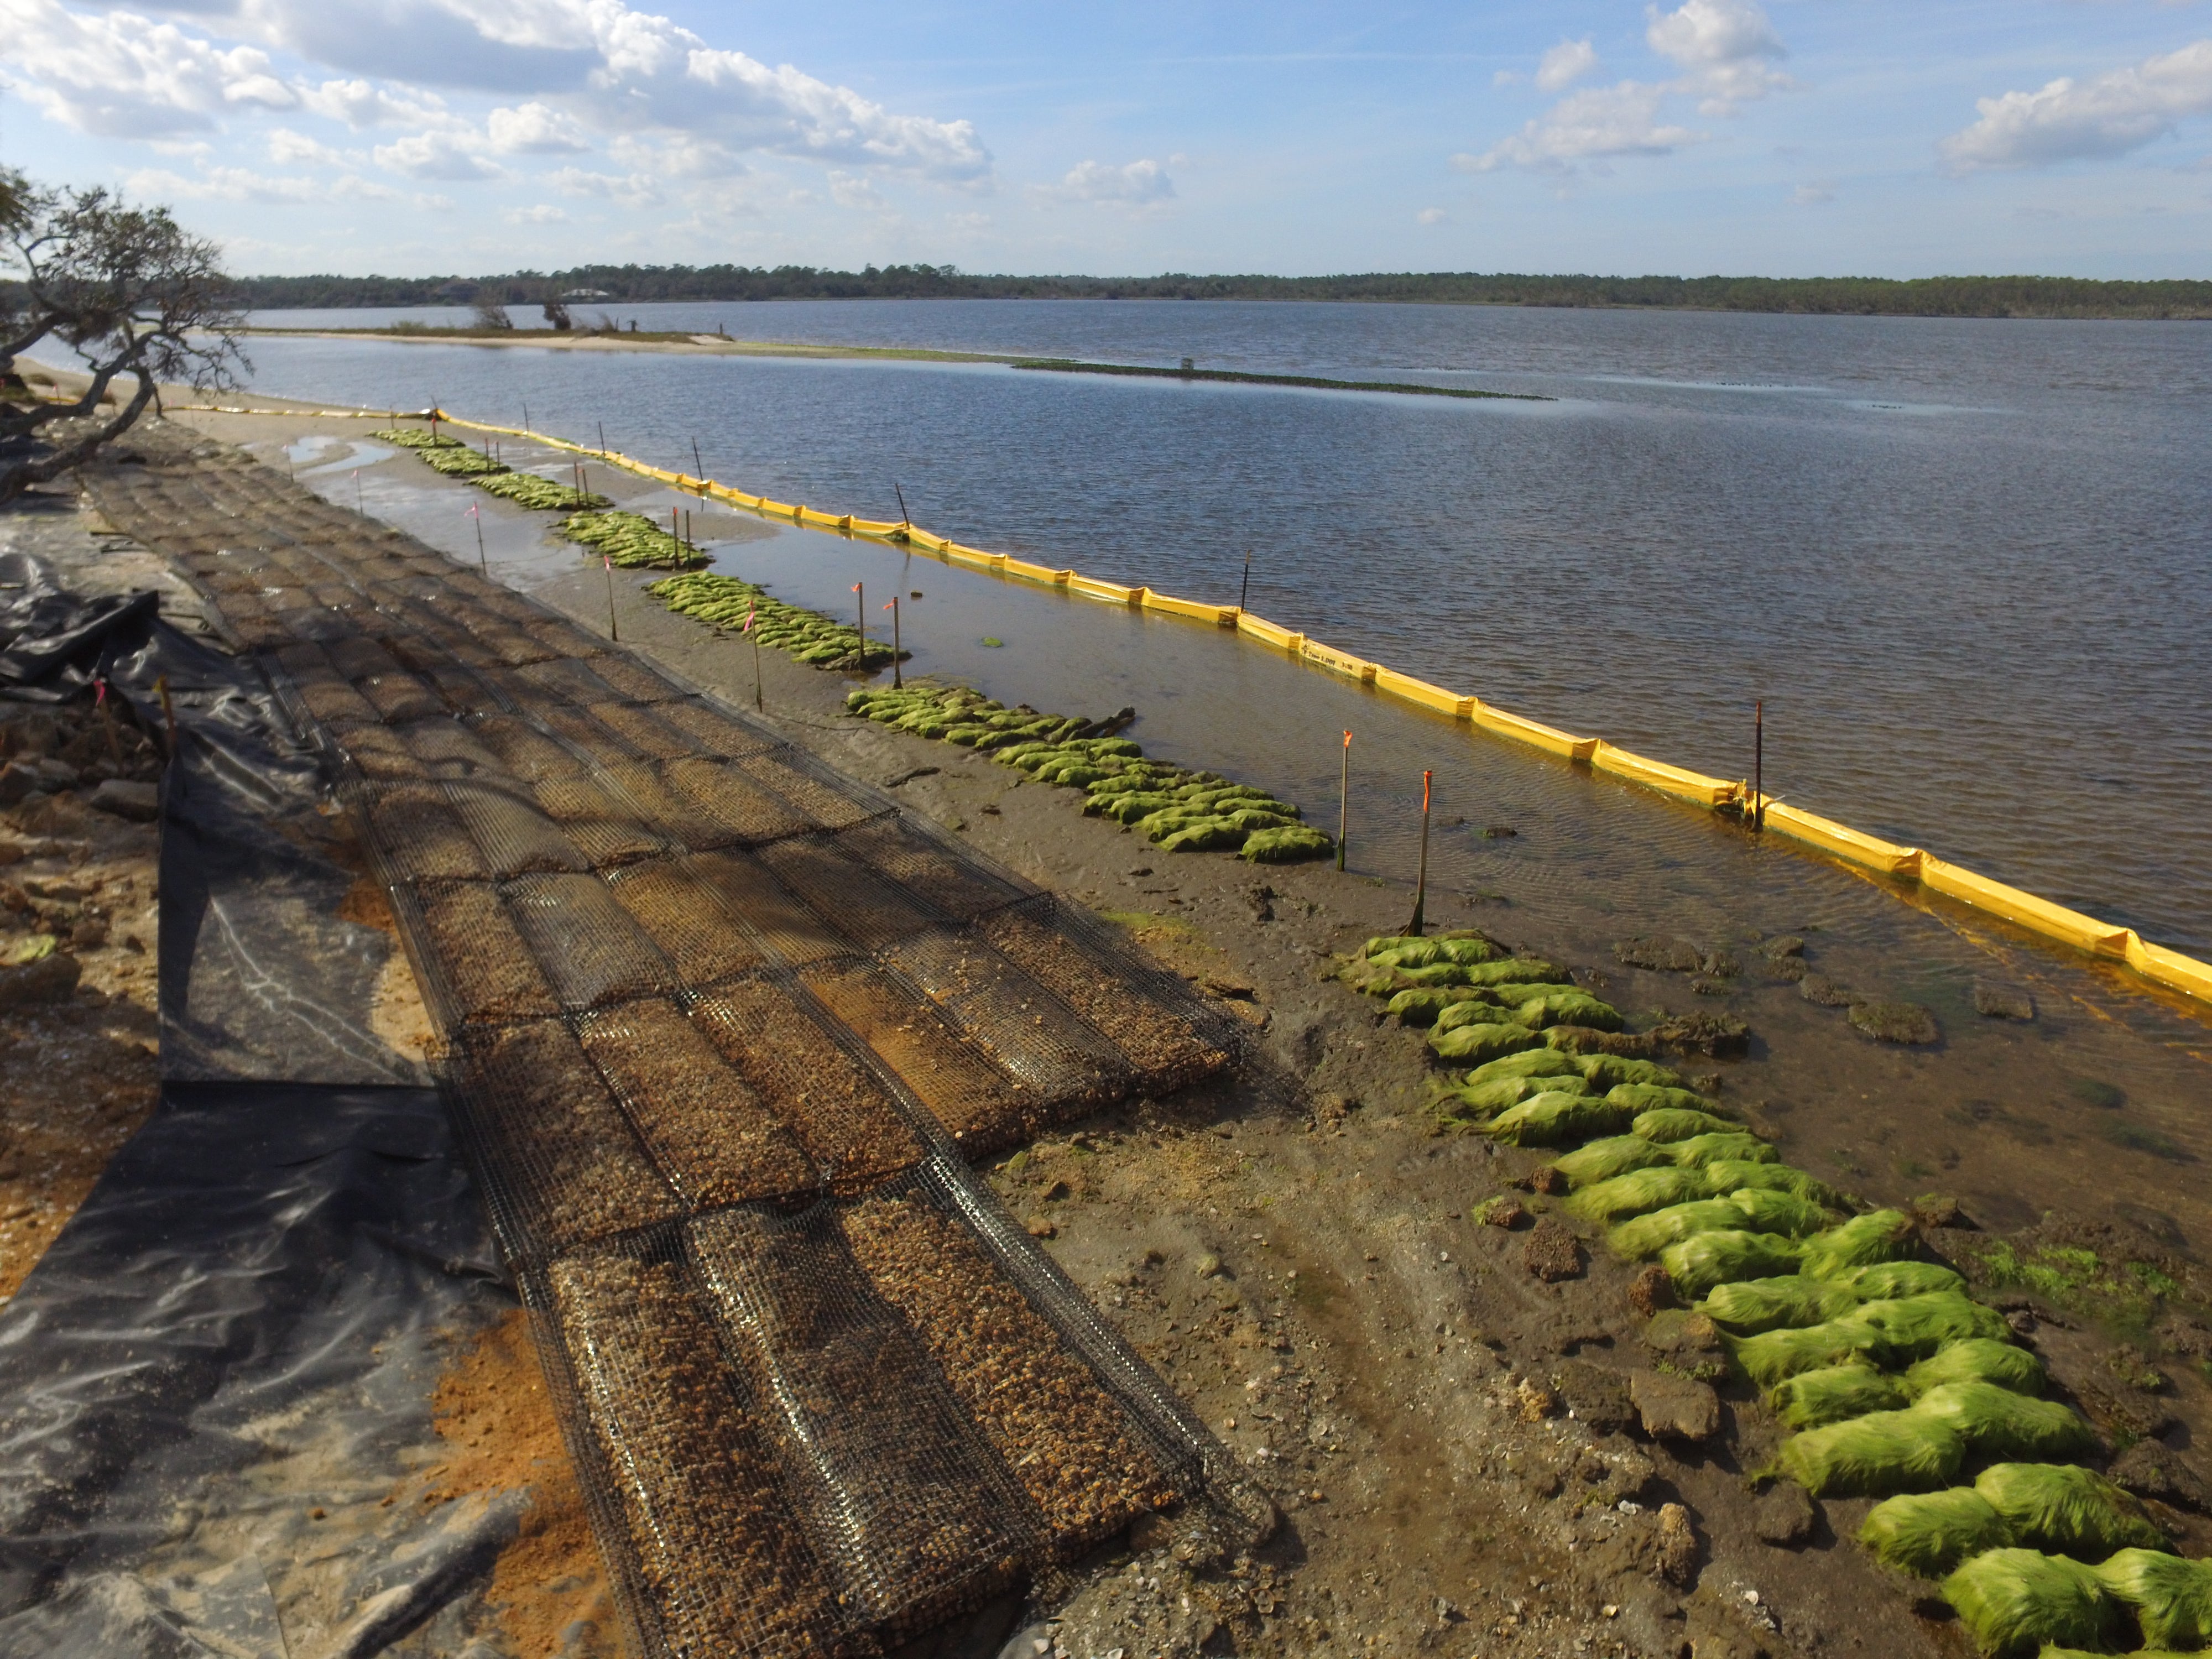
(720, 1030)
(1896, 1382)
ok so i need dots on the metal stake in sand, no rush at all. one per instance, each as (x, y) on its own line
(1344, 801)
(860, 615)
(753, 614)
(897, 681)
(525, 414)
(603, 440)
(483, 563)
(1245, 592)
(701, 473)
(1421, 882)
(1758, 764)
(905, 523)
(613, 633)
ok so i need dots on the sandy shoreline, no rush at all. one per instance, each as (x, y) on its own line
(691, 345)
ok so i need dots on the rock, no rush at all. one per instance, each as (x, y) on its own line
(1676, 1557)
(1548, 1180)
(1536, 1402)
(50, 979)
(1781, 945)
(1705, 985)
(2132, 1416)
(141, 803)
(2150, 1470)
(1790, 970)
(89, 934)
(1501, 1211)
(1894, 1022)
(1552, 1252)
(1997, 1000)
(1594, 1396)
(1675, 1407)
(1651, 1291)
(1151, 1532)
(1040, 1227)
(1722, 964)
(1820, 989)
(1687, 1343)
(16, 781)
(1784, 1517)
(1666, 956)
(1703, 1033)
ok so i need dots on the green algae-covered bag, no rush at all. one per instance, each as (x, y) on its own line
(2014, 1600)
(1730, 1175)
(2069, 1511)
(2172, 1597)
(1563, 1008)
(1636, 1193)
(1929, 1534)
(1772, 1357)
(1657, 1097)
(1914, 1327)
(1420, 1005)
(1874, 1455)
(1978, 1359)
(1647, 1235)
(1670, 1123)
(1287, 845)
(1766, 1210)
(1611, 1072)
(1403, 949)
(1603, 1160)
(1554, 1118)
(1813, 1399)
(1887, 1280)
(1754, 1305)
(1700, 1151)
(1486, 1100)
(2006, 1427)
(1478, 1007)
(1479, 1043)
(1469, 949)
(1703, 1261)
(1877, 1235)
(1534, 1062)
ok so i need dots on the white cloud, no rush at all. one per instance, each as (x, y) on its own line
(852, 190)
(1136, 184)
(678, 157)
(226, 183)
(535, 129)
(1816, 194)
(543, 214)
(358, 105)
(287, 147)
(444, 154)
(1431, 217)
(633, 189)
(1565, 64)
(2070, 120)
(1725, 47)
(1597, 124)
(125, 76)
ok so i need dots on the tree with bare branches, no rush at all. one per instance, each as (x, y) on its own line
(132, 293)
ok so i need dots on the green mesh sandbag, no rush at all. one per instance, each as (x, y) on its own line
(1671, 1123)
(1601, 1160)
(1488, 1099)
(1611, 1070)
(1887, 1281)
(1475, 1008)
(1753, 1305)
(1536, 1062)
(1768, 1211)
(1636, 1193)
(1832, 1393)
(1929, 1534)
(1402, 951)
(1437, 973)
(2012, 1601)
(2172, 1597)
(1772, 1356)
(1731, 1175)
(1554, 1118)
(1654, 1097)
(1699, 1263)
(1914, 1327)
(1518, 970)
(1478, 1043)
(2069, 1511)
(1211, 835)
(1287, 845)
(2005, 1427)
(1874, 1455)
(1701, 1152)
(1978, 1359)
(1877, 1235)
(1512, 992)
(1470, 951)
(1647, 1235)
(1421, 1005)
(1563, 1008)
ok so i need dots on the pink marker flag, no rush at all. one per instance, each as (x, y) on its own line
(607, 563)
(750, 610)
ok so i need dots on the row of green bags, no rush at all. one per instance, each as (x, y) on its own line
(456, 459)
(632, 541)
(2019, 1603)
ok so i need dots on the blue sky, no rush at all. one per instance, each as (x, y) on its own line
(410, 137)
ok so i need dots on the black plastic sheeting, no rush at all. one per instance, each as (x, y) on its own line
(222, 1371)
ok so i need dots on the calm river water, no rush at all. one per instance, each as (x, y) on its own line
(1968, 565)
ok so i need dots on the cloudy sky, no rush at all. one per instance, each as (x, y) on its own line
(1818, 137)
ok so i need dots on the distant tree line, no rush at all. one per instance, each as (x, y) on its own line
(1870, 296)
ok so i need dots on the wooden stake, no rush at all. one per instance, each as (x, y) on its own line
(898, 681)
(1344, 801)
(1421, 883)
(861, 607)
(1245, 592)
(701, 473)
(904, 521)
(752, 614)
(613, 633)
(482, 561)
(603, 441)
(1758, 764)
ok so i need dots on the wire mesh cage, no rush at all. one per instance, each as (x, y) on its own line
(681, 915)
(514, 833)
(715, 732)
(751, 813)
(602, 827)
(585, 944)
(525, 750)
(484, 971)
(747, 890)
(676, 815)
(845, 893)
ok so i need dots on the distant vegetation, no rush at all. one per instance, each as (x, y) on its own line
(593, 285)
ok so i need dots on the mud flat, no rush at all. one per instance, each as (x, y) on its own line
(1478, 1438)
